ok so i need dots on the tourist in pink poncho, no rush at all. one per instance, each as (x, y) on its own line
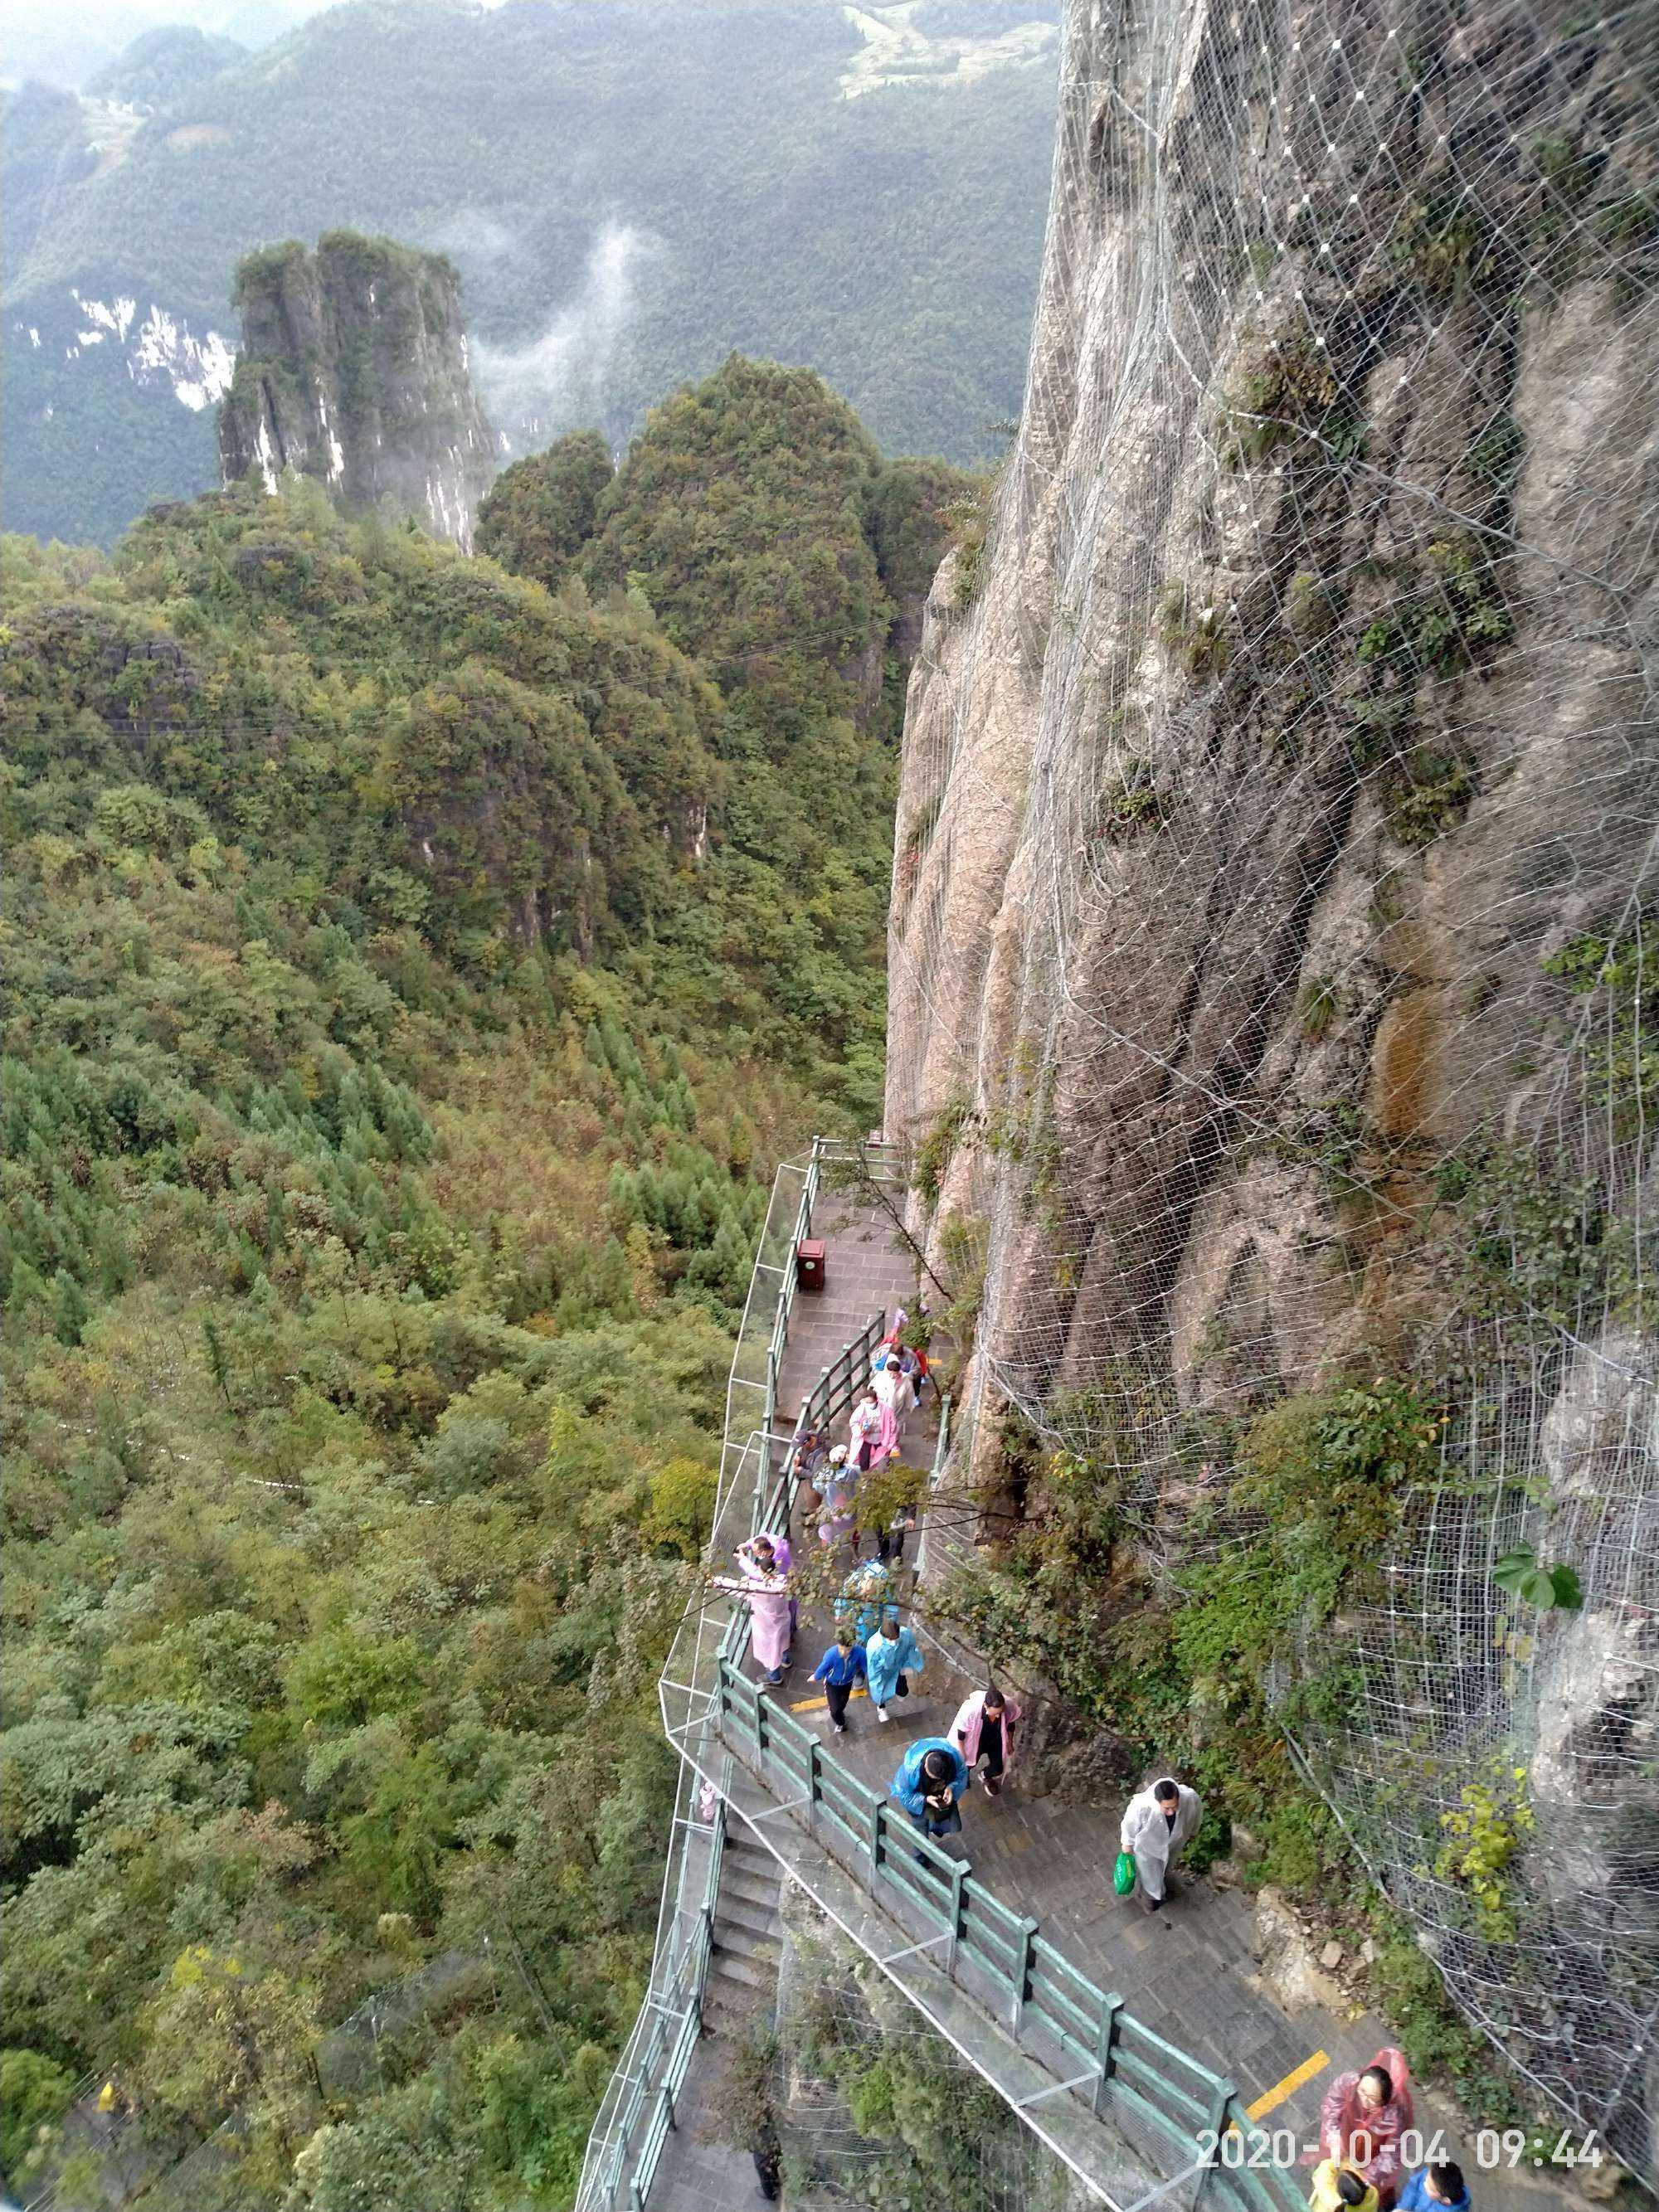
(769, 1611)
(871, 1433)
(1368, 2113)
(984, 1727)
(765, 1555)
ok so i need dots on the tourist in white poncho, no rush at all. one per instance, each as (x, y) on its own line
(892, 1388)
(1159, 1823)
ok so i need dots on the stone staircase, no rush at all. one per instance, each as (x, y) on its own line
(743, 1963)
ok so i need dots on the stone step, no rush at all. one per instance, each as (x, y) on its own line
(761, 1944)
(760, 1975)
(756, 1889)
(743, 1914)
(745, 1855)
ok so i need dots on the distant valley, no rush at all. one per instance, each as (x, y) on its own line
(628, 194)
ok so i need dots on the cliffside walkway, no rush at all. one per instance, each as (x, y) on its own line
(1008, 1940)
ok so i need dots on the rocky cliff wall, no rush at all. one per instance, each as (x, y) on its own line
(354, 369)
(1273, 860)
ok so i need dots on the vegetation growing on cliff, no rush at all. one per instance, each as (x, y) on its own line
(1203, 1671)
(925, 2127)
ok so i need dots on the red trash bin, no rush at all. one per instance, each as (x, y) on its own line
(809, 1264)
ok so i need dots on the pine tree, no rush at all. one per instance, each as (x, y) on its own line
(71, 1309)
(218, 1360)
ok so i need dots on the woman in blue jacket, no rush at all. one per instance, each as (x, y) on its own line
(842, 1665)
(931, 1781)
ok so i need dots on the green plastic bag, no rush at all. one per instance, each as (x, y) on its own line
(1123, 1874)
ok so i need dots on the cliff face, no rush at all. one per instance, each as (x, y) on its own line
(1278, 798)
(354, 370)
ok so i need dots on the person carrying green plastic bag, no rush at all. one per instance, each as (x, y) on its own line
(1159, 1823)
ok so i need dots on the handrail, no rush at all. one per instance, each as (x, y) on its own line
(1000, 1957)
(636, 2113)
(661, 2120)
(643, 2089)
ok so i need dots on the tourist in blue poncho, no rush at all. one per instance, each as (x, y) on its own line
(930, 1782)
(891, 1655)
(866, 1597)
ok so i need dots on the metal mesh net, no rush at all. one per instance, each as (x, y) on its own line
(876, 2110)
(1272, 956)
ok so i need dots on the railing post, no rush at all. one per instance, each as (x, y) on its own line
(1222, 2098)
(959, 1909)
(1105, 2044)
(1023, 1967)
(877, 1812)
(814, 1776)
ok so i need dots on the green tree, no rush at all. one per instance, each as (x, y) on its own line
(539, 513)
(682, 1508)
(227, 2036)
(34, 2095)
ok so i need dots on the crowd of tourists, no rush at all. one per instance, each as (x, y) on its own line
(831, 1476)
(1366, 2115)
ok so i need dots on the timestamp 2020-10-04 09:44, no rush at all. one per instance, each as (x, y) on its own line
(1494, 2150)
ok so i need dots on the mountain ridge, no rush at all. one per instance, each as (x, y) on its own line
(615, 204)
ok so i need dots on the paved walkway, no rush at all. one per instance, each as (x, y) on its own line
(700, 2170)
(1187, 1972)
(868, 1271)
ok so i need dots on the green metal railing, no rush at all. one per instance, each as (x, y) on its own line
(636, 2117)
(1084, 2035)
(1002, 1957)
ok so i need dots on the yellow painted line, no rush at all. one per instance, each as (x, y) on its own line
(1270, 2098)
(822, 1705)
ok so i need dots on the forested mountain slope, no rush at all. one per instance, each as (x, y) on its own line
(629, 191)
(411, 975)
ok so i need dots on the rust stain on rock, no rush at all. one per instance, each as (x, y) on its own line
(1405, 1071)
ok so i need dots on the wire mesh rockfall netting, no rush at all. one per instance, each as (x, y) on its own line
(1276, 916)
(876, 2110)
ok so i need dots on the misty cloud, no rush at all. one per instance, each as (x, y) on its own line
(559, 379)
(472, 234)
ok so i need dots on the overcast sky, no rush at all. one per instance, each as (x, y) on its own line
(65, 45)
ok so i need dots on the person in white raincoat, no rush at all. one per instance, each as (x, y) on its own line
(1159, 1823)
(892, 1384)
